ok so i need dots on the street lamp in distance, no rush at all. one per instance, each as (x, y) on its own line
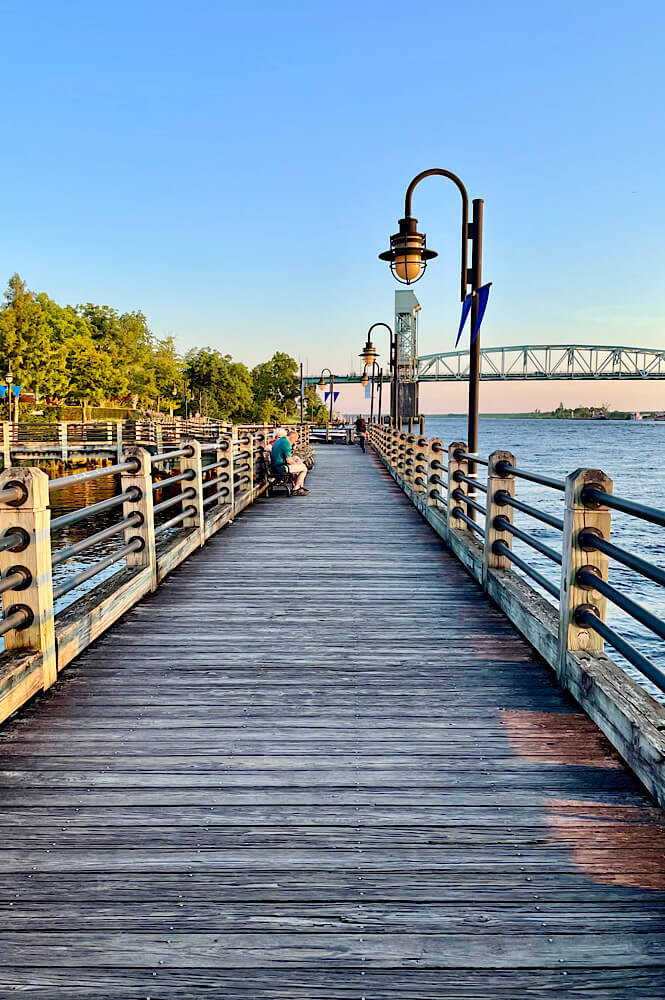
(322, 386)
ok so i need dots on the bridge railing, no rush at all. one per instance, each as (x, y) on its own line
(161, 505)
(550, 574)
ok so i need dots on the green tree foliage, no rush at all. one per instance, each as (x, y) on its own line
(224, 385)
(92, 354)
(276, 385)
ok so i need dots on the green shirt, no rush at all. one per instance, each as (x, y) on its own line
(281, 450)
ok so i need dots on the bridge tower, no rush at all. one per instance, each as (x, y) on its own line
(407, 308)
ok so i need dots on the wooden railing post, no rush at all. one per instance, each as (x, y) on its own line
(401, 454)
(595, 518)
(31, 558)
(193, 462)
(250, 449)
(498, 482)
(62, 434)
(456, 465)
(223, 451)
(436, 480)
(140, 482)
(394, 449)
(118, 439)
(6, 445)
(420, 459)
(409, 458)
(159, 437)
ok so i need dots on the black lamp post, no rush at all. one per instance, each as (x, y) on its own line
(369, 356)
(365, 379)
(408, 257)
(322, 386)
(9, 380)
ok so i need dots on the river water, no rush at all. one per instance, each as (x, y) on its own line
(632, 453)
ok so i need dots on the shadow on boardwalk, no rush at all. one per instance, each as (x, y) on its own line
(318, 763)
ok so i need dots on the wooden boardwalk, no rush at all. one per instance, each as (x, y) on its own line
(317, 763)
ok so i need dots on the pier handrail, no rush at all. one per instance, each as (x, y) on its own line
(168, 502)
(572, 631)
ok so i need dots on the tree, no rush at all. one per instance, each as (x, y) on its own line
(226, 384)
(25, 340)
(276, 386)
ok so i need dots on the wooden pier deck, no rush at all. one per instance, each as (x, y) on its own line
(318, 763)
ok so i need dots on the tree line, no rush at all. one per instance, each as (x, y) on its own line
(94, 355)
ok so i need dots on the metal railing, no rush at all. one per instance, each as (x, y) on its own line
(576, 547)
(162, 504)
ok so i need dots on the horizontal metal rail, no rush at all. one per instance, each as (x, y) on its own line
(74, 516)
(13, 538)
(589, 540)
(654, 515)
(11, 493)
(459, 454)
(75, 581)
(533, 477)
(504, 499)
(459, 477)
(502, 523)
(241, 479)
(185, 476)
(69, 551)
(19, 579)
(222, 478)
(502, 549)
(18, 619)
(437, 480)
(187, 512)
(435, 495)
(462, 497)
(589, 580)
(215, 496)
(458, 512)
(131, 465)
(222, 464)
(586, 618)
(165, 456)
(187, 494)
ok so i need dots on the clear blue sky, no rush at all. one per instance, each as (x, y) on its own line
(233, 169)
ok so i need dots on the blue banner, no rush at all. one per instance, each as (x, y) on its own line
(466, 308)
(483, 296)
(16, 389)
(327, 396)
(3, 391)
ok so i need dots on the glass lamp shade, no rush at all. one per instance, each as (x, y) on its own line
(322, 384)
(364, 380)
(408, 254)
(408, 267)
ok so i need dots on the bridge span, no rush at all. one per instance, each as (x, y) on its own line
(538, 362)
(320, 762)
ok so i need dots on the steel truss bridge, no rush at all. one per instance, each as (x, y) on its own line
(539, 362)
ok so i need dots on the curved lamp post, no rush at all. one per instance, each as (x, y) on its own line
(365, 380)
(322, 386)
(369, 356)
(408, 257)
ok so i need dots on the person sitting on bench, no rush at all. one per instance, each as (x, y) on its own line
(283, 460)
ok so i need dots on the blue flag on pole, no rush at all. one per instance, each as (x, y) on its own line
(466, 308)
(3, 391)
(483, 296)
(16, 389)
(327, 396)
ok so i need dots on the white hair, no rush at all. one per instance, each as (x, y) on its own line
(280, 433)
